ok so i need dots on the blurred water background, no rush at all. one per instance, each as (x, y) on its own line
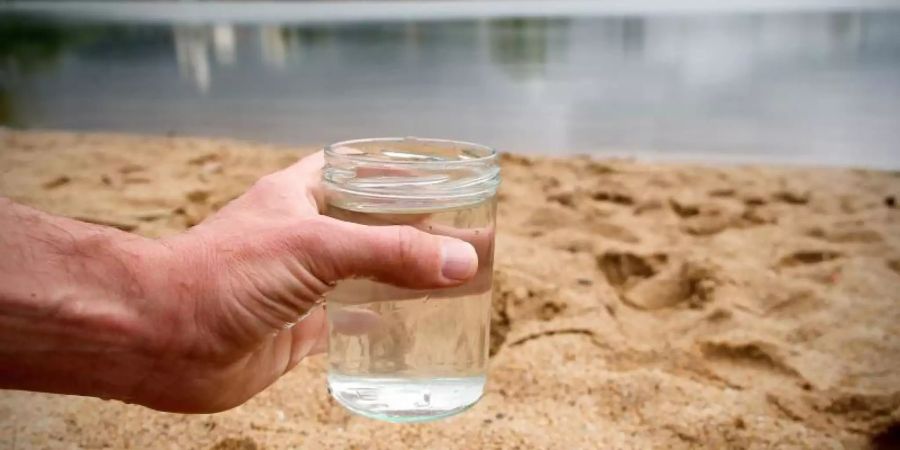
(810, 82)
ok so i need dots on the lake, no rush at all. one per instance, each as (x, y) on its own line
(785, 86)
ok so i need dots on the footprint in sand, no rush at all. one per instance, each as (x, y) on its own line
(623, 268)
(648, 282)
(518, 299)
(690, 283)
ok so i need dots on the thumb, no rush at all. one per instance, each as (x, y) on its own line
(398, 255)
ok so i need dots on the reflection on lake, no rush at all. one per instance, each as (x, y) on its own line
(815, 87)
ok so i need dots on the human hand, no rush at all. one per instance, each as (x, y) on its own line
(228, 294)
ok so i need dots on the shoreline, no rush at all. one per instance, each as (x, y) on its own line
(709, 159)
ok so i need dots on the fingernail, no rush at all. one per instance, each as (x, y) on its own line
(458, 259)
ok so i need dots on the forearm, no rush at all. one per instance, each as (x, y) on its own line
(71, 297)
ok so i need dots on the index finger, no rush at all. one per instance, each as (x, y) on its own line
(304, 178)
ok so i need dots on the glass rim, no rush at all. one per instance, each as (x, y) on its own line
(491, 153)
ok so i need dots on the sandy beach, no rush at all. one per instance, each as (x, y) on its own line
(636, 305)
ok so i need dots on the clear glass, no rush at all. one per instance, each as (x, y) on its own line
(406, 355)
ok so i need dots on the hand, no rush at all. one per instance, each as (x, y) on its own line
(236, 297)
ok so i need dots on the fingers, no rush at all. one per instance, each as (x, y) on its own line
(286, 193)
(320, 347)
(354, 321)
(306, 174)
(481, 238)
(309, 336)
(298, 184)
(308, 165)
(397, 255)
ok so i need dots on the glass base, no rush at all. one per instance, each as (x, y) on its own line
(405, 400)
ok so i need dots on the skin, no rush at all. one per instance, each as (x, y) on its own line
(201, 321)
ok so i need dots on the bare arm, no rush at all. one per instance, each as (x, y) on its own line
(201, 321)
(72, 304)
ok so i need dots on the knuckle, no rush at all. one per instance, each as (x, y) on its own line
(407, 248)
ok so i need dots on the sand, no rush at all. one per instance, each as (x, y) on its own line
(636, 305)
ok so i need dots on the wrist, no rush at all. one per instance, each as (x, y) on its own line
(119, 314)
(75, 299)
(167, 283)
